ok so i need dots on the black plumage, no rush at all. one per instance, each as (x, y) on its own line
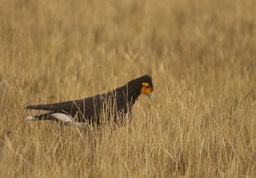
(116, 104)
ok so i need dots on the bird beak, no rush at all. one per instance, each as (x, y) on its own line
(150, 95)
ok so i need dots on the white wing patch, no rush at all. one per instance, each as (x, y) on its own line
(30, 118)
(67, 119)
(62, 117)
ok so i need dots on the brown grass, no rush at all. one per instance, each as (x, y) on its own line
(201, 54)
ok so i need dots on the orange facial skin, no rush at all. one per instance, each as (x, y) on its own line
(146, 89)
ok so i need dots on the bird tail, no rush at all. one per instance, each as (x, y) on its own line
(40, 117)
(39, 107)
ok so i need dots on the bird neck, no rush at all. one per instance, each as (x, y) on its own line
(133, 94)
(130, 93)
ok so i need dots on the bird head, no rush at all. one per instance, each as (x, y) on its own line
(141, 85)
(146, 89)
(146, 86)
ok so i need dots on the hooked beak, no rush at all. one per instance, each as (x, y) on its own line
(150, 95)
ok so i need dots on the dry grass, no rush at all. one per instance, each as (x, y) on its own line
(201, 54)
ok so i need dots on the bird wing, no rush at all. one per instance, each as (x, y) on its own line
(67, 106)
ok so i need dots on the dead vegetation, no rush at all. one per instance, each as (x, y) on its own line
(201, 54)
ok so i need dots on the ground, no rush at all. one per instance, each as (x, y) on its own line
(202, 58)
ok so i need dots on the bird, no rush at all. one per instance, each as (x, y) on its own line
(115, 105)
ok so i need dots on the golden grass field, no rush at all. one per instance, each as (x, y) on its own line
(201, 55)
